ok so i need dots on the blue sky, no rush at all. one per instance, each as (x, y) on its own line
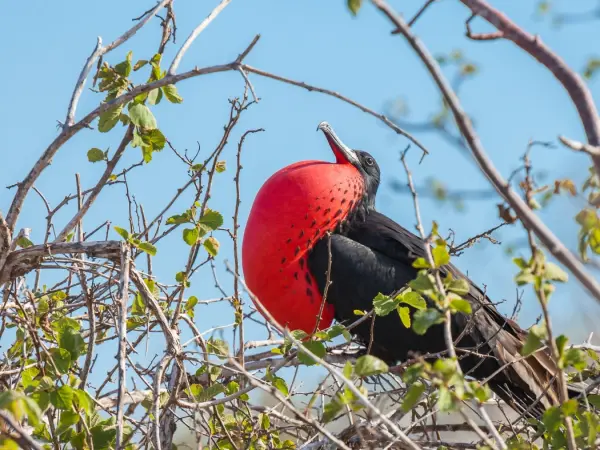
(512, 100)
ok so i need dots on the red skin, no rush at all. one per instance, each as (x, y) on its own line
(291, 212)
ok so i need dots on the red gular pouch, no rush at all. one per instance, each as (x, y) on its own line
(293, 210)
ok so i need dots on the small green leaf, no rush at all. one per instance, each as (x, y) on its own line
(190, 305)
(575, 358)
(138, 65)
(315, 347)
(212, 246)
(423, 283)
(552, 419)
(109, 119)
(211, 392)
(594, 400)
(404, 313)
(218, 347)
(534, 340)
(421, 263)
(61, 358)
(171, 93)
(441, 256)
(384, 304)
(358, 312)
(413, 299)
(62, 398)
(555, 273)
(155, 96)
(459, 286)
(412, 396)
(369, 365)
(190, 236)
(122, 232)
(460, 305)
(67, 420)
(354, 6)
(178, 219)
(95, 155)
(423, 319)
(141, 116)
(331, 410)
(212, 219)
(281, 385)
(221, 166)
(84, 401)
(148, 248)
(72, 341)
(445, 401)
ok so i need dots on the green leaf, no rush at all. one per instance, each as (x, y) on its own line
(178, 219)
(109, 119)
(62, 398)
(423, 283)
(61, 358)
(154, 138)
(281, 386)
(190, 236)
(95, 155)
(331, 410)
(555, 273)
(124, 68)
(421, 263)
(141, 116)
(84, 401)
(413, 299)
(552, 419)
(67, 420)
(423, 319)
(534, 340)
(103, 436)
(354, 6)
(460, 305)
(171, 93)
(211, 392)
(445, 401)
(358, 312)
(524, 277)
(138, 65)
(221, 166)
(369, 365)
(404, 313)
(190, 304)
(441, 256)
(155, 96)
(412, 396)
(594, 400)
(218, 347)
(212, 246)
(575, 358)
(212, 219)
(317, 348)
(72, 341)
(147, 247)
(459, 286)
(384, 304)
(122, 232)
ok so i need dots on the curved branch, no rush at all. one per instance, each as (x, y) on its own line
(570, 80)
(527, 216)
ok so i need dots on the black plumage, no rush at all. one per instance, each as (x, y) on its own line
(371, 254)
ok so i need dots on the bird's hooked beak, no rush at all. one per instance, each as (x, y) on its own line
(343, 153)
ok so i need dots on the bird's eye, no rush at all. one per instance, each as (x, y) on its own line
(369, 161)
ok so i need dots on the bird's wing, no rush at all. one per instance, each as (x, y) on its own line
(503, 336)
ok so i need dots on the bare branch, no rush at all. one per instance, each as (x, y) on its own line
(529, 219)
(591, 150)
(122, 300)
(570, 80)
(195, 33)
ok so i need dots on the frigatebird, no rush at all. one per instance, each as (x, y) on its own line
(313, 215)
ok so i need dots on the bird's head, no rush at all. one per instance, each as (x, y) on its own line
(361, 160)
